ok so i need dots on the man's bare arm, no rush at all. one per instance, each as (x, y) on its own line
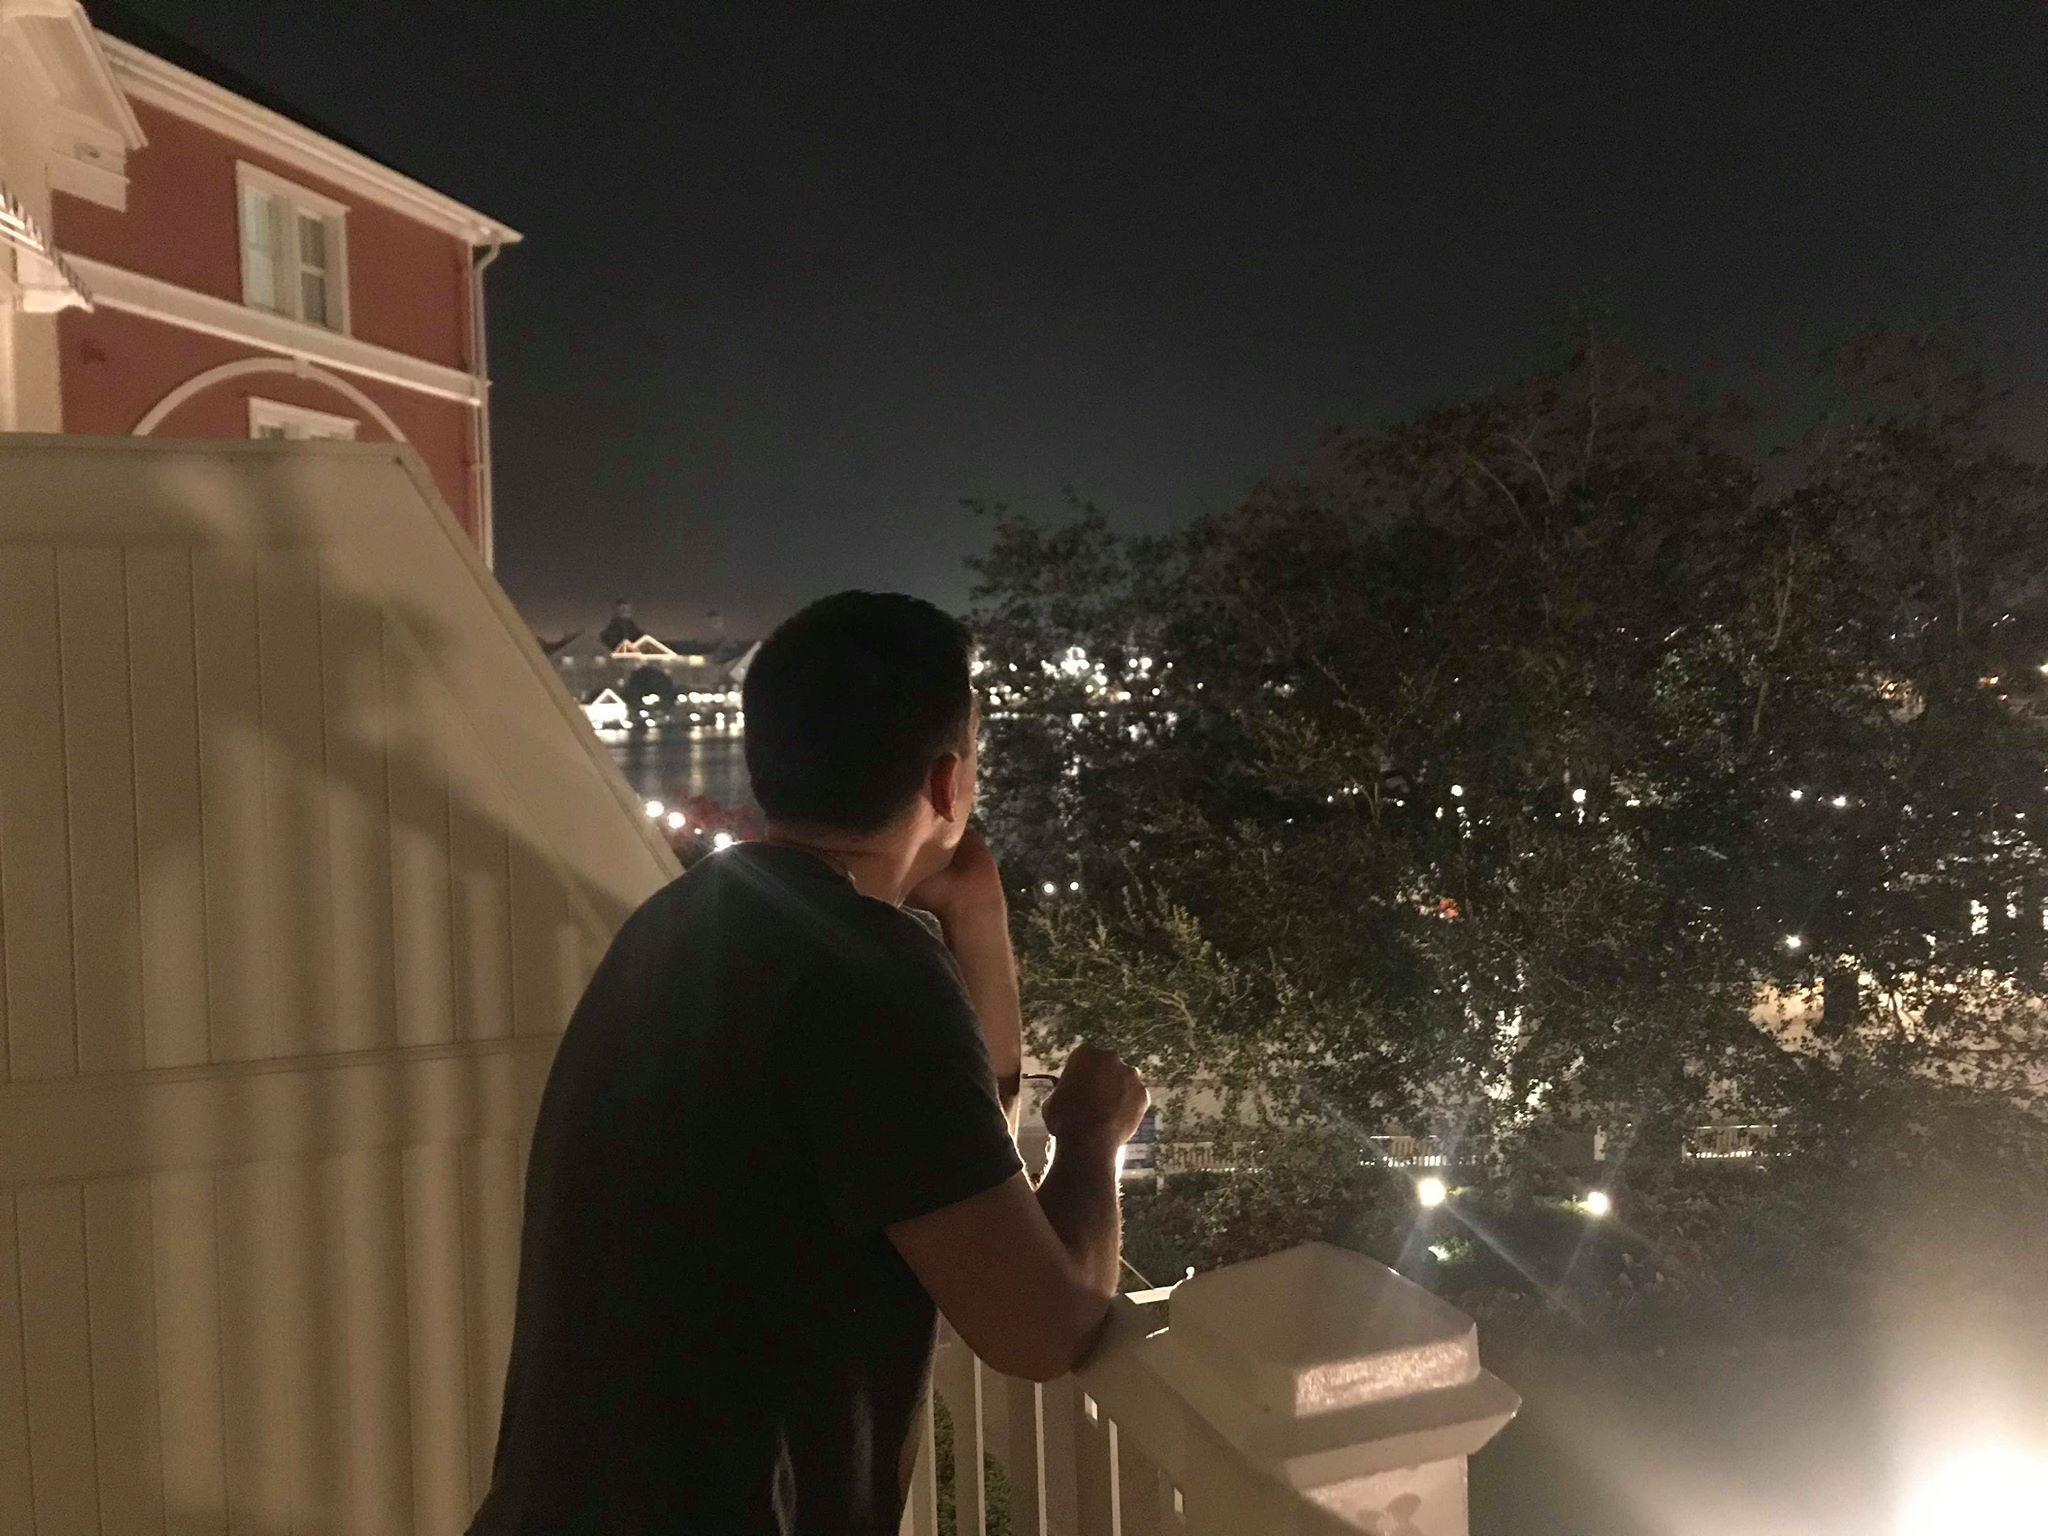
(979, 937)
(967, 899)
(1024, 1276)
(1079, 1197)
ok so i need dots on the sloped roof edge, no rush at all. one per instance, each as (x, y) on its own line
(173, 75)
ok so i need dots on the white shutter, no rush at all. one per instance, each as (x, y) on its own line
(313, 269)
(263, 238)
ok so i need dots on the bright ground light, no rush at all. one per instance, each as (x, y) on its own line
(1987, 1489)
(1431, 1191)
(1596, 1203)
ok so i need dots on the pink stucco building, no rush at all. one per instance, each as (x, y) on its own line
(183, 257)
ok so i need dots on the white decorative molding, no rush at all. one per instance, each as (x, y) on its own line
(247, 175)
(84, 173)
(87, 127)
(199, 383)
(45, 280)
(148, 78)
(151, 297)
(305, 1107)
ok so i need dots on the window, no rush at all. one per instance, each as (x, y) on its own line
(293, 250)
(298, 423)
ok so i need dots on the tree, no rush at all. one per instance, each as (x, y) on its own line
(649, 687)
(1548, 760)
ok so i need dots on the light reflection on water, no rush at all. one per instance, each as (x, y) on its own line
(678, 765)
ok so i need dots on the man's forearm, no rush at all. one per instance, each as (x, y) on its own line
(980, 942)
(1080, 1199)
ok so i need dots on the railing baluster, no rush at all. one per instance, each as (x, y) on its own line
(1060, 1404)
(921, 1516)
(1024, 1460)
(1095, 1470)
(970, 1454)
(1310, 1393)
(1142, 1490)
(957, 1378)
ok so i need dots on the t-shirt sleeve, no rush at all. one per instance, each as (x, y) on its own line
(892, 1080)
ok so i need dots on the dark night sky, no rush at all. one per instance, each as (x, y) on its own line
(797, 279)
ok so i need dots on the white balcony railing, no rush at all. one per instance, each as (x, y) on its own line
(1193, 1157)
(1714, 1143)
(1390, 1151)
(1314, 1391)
(1409, 1152)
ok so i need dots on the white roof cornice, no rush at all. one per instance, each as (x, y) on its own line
(148, 78)
(63, 24)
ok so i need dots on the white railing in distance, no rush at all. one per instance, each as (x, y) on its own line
(1716, 1143)
(1192, 1157)
(1409, 1152)
(1313, 1391)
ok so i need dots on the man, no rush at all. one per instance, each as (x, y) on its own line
(780, 1127)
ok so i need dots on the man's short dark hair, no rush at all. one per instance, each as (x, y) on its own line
(849, 703)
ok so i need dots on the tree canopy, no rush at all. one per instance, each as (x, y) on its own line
(1554, 759)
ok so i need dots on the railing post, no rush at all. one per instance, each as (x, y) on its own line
(1319, 1391)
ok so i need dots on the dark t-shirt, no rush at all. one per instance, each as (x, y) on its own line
(714, 1335)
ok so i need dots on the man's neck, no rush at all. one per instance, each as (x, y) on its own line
(881, 868)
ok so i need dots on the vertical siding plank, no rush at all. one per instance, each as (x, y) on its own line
(435, 1337)
(232, 805)
(420, 897)
(300, 935)
(120, 1284)
(184, 1217)
(482, 838)
(309, 1304)
(379, 1368)
(358, 820)
(479, 868)
(490, 1203)
(4, 1029)
(57, 1352)
(35, 877)
(17, 1510)
(92, 626)
(255, 1355)
(547, 972)
(164, 706)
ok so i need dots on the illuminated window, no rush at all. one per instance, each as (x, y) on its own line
(298, 423)
(293, 250)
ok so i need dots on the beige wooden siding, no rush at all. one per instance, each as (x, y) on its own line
(304, 857)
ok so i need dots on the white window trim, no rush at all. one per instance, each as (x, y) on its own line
(300, 421)
(303, 199)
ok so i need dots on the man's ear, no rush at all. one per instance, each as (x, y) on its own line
(945, 786)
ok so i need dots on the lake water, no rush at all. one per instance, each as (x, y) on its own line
(678, 765)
